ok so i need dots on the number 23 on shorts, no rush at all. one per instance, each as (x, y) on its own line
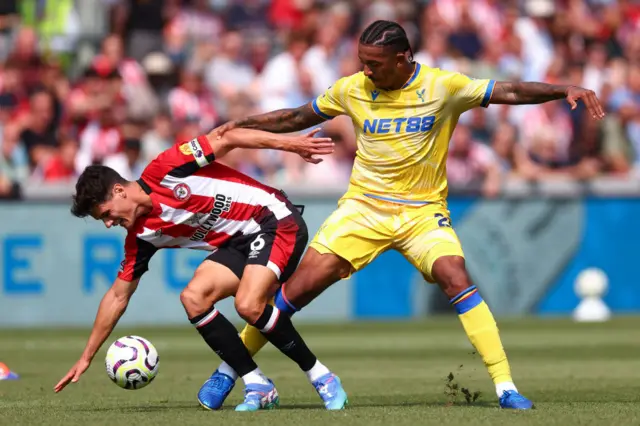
(443, 220)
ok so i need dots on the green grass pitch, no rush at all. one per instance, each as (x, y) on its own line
(395, 374)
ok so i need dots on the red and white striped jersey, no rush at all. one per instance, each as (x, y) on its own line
(197, 204)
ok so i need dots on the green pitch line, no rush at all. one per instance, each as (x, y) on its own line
(395, 374)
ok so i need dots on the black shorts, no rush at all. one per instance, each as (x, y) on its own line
(278, 245)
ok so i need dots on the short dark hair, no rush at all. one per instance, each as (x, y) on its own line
(94, 188)
(387, 33)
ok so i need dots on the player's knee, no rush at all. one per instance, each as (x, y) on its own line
(302, 287)
(455, 283)
(343, 271)
(451, 275)
(197, 301)
(193, 302)
(250, 309)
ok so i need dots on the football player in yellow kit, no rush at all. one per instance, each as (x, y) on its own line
(404, 114)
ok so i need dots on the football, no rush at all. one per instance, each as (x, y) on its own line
(132, 362)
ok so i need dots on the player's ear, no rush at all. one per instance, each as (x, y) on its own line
(118, 190)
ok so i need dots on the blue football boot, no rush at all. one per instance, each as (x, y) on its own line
(215, 390)
(259, 397)
(330, 390)
(513, 400)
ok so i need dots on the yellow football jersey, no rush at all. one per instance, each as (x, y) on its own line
(403, 135)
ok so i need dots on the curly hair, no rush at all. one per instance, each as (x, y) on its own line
(94, 188)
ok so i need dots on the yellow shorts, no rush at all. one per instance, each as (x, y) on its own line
(362, 228)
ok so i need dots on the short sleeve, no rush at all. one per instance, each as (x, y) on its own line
(181, 160)
(333, 101)
(137, 254)
(466, 93)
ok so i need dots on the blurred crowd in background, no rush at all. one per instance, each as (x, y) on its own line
(165, 71)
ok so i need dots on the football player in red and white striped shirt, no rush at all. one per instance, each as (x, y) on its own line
(185, 199)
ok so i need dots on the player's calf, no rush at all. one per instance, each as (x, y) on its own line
(211, 283)
(221, 382)
(251, 305)
(277, 327)
(451, 275)
(223, 339)
(481, 328)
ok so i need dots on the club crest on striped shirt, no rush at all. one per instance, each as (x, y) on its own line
(182, 191)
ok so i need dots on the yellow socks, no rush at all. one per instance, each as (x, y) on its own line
(252, 339)
(481, 328)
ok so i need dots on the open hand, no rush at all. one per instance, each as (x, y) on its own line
(306, 146)
(575, 93)
(73, 375)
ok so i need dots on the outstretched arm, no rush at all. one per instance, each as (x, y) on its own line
(518, 93)
(304, 145)
(112, 306)
(280, 121)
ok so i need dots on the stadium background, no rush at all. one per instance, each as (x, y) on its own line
(539, 193)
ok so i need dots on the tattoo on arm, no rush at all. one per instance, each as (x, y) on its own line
(518, 93)
(283, 120)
